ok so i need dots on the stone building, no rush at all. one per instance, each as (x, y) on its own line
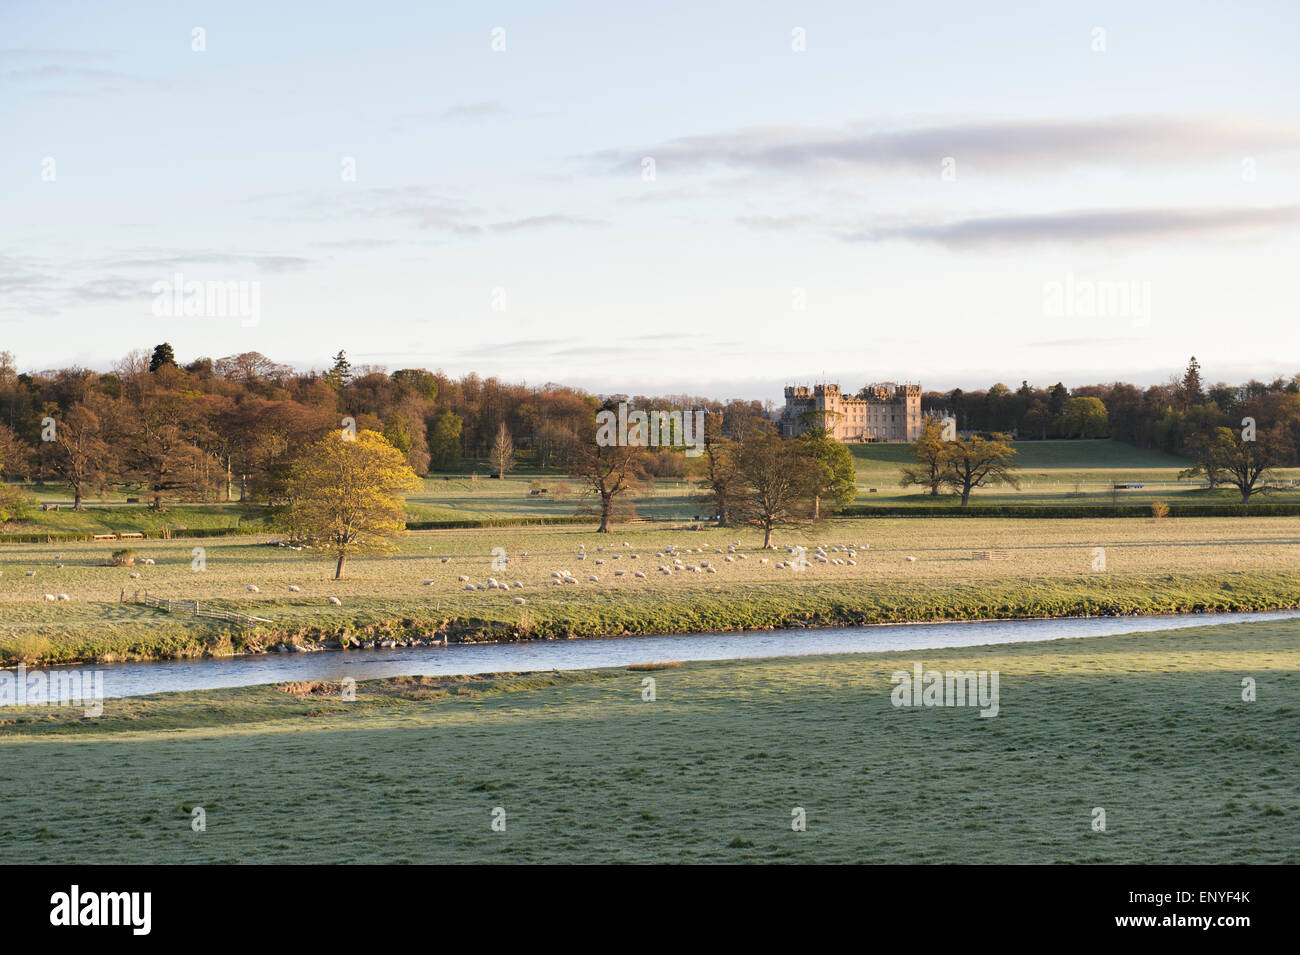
(883, 412)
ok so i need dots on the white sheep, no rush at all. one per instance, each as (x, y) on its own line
(640, 574)
(135, 576)
(294, 588)
(470, 587)
(446, 560)
(64, 597)
(427, 581)
(335, 601)
(909, 559)
(463, 577)
(252, 589)
(593, 578)
(49, 596)
(763, 560)
(521, 601)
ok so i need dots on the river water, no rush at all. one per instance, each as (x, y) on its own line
(137, 679)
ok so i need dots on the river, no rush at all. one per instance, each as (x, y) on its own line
(137, 679)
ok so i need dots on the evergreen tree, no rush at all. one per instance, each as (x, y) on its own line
(162, 355)
(341, 373)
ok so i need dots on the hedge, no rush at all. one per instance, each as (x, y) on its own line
(1261, 509)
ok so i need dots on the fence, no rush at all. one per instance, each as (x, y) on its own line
(192, 607)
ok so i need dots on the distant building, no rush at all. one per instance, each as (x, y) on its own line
(883, 412)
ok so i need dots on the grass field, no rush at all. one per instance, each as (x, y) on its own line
(1150, 567)
(1149, 727)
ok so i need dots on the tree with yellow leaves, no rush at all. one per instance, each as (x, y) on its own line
(345, 495)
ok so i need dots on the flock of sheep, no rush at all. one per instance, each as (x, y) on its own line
(675, 561)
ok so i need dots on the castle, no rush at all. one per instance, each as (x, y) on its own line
(884, 412)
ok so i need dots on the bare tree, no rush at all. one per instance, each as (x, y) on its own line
(503, 451)
(608, 471)
(780, 480)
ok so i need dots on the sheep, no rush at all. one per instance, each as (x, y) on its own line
(58, 566)
(570, 580)
(635, 556)
(31, 573)
(426, 582)
(599, 562)
(619, 573)
(294, 588)
(639, 574)
(600, 547)
(852, 563)
(626, 544)
(470, 587)
(729, 559)
(64, 597)
(253, 589)
(446, 560)
(135, 576)
(780, 564)
(909, 559)
(335, 601)
(593, 578)
(519, 584)
(555, 581)
(711, 569)
(762, 560)
(49, 596)
(462, 578)
(520, 601)
(582, 556)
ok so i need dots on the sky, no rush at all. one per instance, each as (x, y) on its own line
(715, 199)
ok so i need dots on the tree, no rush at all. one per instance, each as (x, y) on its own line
(14, 454)
(930, 451)
(1243, 463)
(607, 470)
(444, 444)
(162, 357)
(346, 495)
(81, 456)
(780, 482)
(977, 462)
(1085, 418)
(837, 478)
(503, 452)
(718, 468)
(1190, 390)
(340, 375)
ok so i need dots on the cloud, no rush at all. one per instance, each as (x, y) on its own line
(541, 222)
(266, 262)
(1089, 226)
(1012, 146)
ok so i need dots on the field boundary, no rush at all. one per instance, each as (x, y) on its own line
(192, 608)
(1261, 509)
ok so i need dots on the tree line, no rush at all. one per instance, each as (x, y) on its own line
(1177, 416)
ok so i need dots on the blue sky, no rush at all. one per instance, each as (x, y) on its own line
(799, 225)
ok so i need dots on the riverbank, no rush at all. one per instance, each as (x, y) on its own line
(747, 609)
(583, 768)
(437, 586)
